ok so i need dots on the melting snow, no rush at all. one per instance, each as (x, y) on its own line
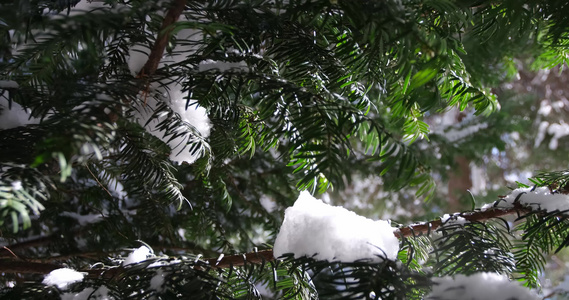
(333, 233)
(479, 286)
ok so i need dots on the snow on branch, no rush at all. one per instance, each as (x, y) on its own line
(314, 229)
(536, 198)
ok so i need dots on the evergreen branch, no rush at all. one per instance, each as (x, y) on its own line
(264, 256)
(157, 50)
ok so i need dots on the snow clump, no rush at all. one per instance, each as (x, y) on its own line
(137, 256)
(62, 277)
(314, 229)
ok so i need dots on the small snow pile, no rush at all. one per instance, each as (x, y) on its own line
(479, 286)
(313, 228)
(539, 198)
(137, 256)
(62, 277)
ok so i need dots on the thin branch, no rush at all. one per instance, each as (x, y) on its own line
(257, 257)
(97, 180)
(475, 216)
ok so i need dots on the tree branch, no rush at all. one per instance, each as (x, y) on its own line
(21, 266)
(259, 257)
(157, 50)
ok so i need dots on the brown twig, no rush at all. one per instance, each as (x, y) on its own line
(257, 257)
(97, 180)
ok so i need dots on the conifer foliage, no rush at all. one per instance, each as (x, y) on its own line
(146, 145)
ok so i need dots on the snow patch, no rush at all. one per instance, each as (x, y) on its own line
(333, 233)
(62, 277)
(479, 286)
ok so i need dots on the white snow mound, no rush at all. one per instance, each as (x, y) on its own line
(333, 233)
(479, 286)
